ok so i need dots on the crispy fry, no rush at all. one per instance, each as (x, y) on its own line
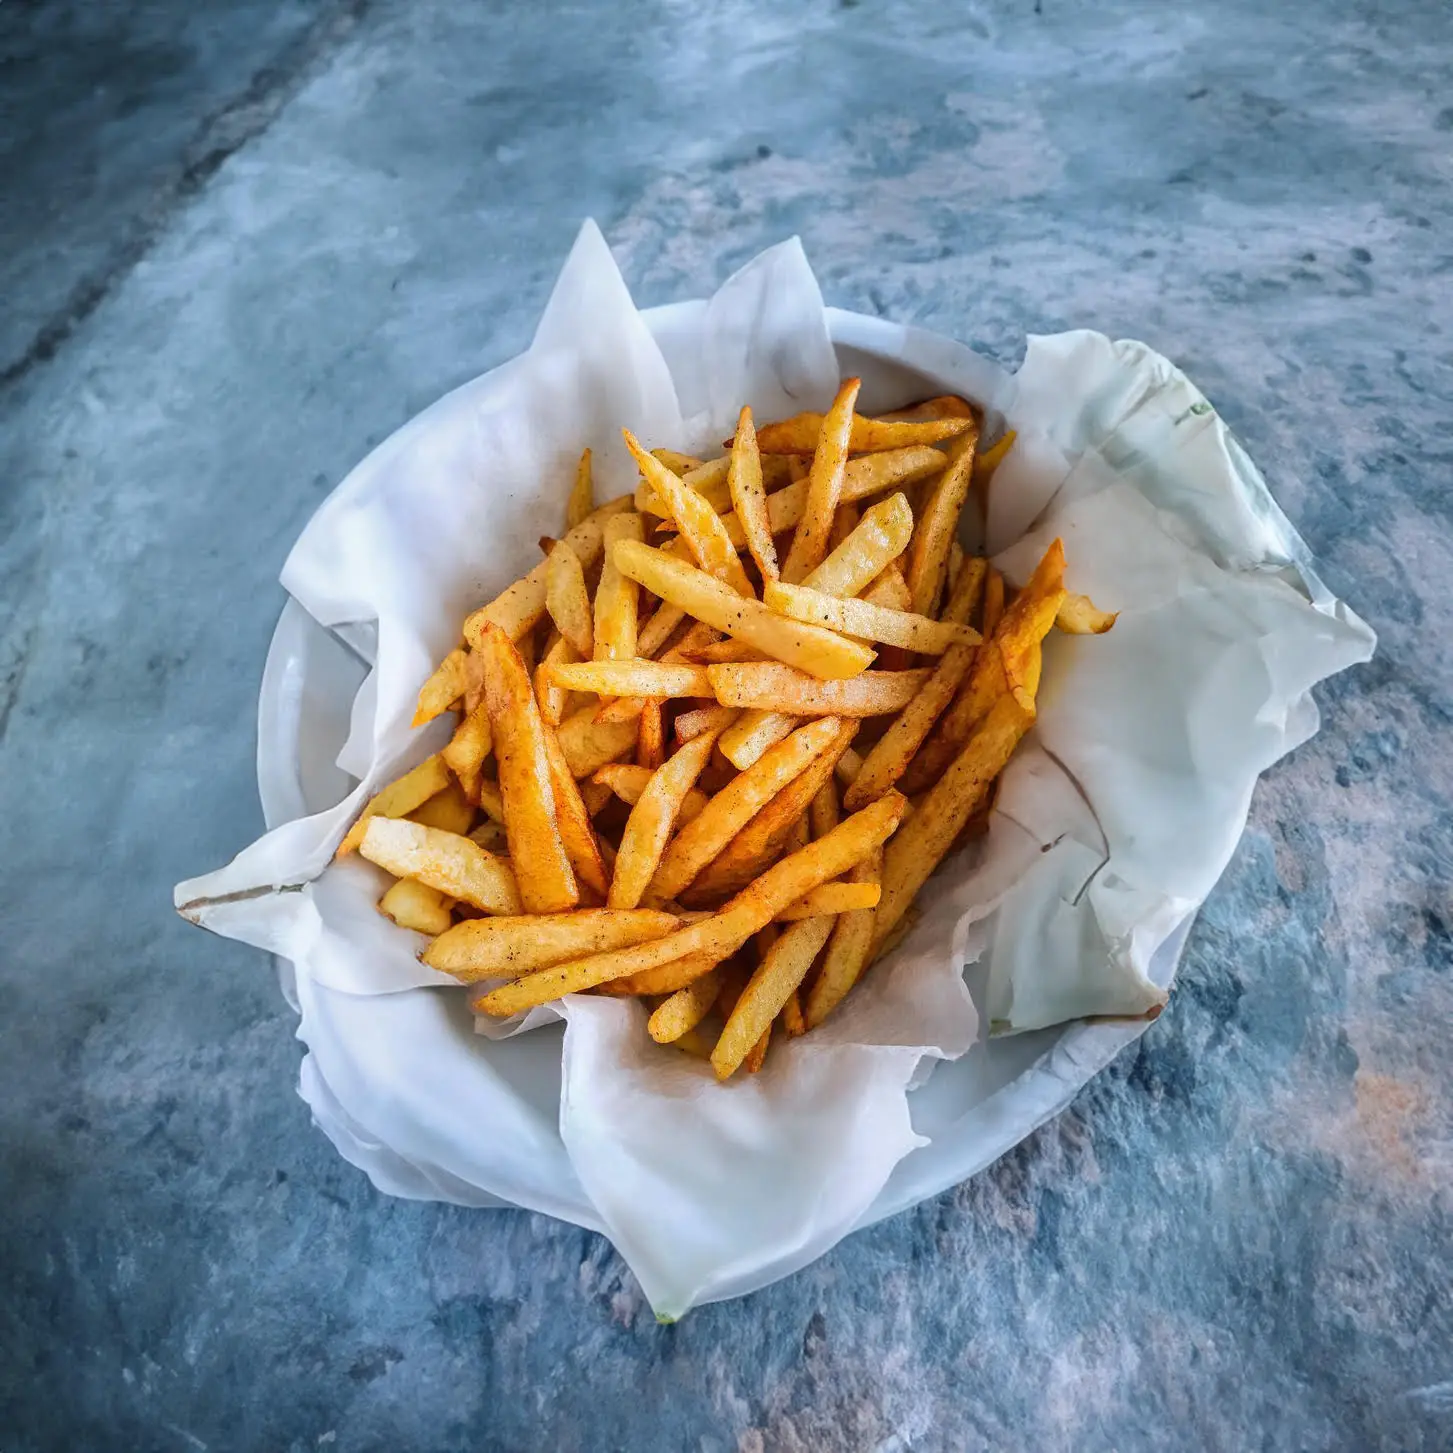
(834, 898)
(505, 948)
(815, 650)
(554, 700)
(699, 523)
(617, 595)
(875, 542)
(722, 933)
(756, 684)
(938, 523)
(666, 978)
(734, 806)
(582, 495)
(589, 744)
(632, 678)
(402, 796)
(757, 1055)
(708, 479)
(627, 781)
(942, 406)
(577, 833)
(791, 1018)
(1080, 616)
(801, 433)
(449, 809)
(442, 689)
(752, 734)
(519, 609)
(684, 1010)
(848, 948)
(444, 860)
(651, 736)
(749, 497)
(417, 906)
(531, 820)
(824, 484)
(761, 1001)
(870, 622)
(567, 600)
(677, 461)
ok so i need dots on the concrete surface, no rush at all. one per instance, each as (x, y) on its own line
(241, 242)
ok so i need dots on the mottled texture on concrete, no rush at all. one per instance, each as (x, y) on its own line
(1236, 1238)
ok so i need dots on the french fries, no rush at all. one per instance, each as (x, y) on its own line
(678, 793)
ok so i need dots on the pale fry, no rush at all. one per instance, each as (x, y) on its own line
(401, 797)
(1078, 615)
(627, 781)
(444, 860)
(722, 933)
(531, 821)
(734, 806)
(801, 433)
(582, 494)
(519, 608)
(704, 719)
(833, 898)
(449, 809)
(870, 475)
(505, 948)
(417, 906)
(930, 832)
(848, 767)
(752, 734)
(632, 678)
(442, 689)
(879, 538)
(699, 523)
(577, 833)
(815, 650)
(617, 595)
(589, 744)
(767, 684)
(649, 826)
(824, 485)
(658, 630)
(938, 523)
(783, 969)
(566, 598)
(684, 1010)
(847, 949)
(825, 812)
(870, 622)
(749, 497)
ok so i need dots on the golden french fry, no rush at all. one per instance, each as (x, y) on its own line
(684, 1010)
(761, 683)
(813, 649)
(691, 724)
(938, 523)
(471, 743)
(1080, 616)
(444, 860)
(617, 595)
(761, 1001)
(473, 682)
(632, 678)
(869, 622)
(582, 495)
(596, 794)
(714, 653)
(651, 735)
(676, 461)
(627, 781)
(722, 933)
(442, 689)
(801, 433)
(832, 899)
(874, 543)
(699, 523)
(519, 609)
(890, 590)
(752, 734)
(547, 881)
(824, 484)
(707, 479)
(735, 805)
(589, 744)
(847, 949)
(402, 796)
(577, 833)
(505, 948)
(990, 459)
(658, 630)
(666, 978)
(757, 1055)
(448, 808)
(417, 906)
(780, 826)
(927, 836)
(554, 700)
(942, 406)
(825, 813)
(749, 497)
(566, 598)
(791, 1018)
(966, 592)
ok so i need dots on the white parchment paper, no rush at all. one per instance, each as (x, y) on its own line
(1114, 821)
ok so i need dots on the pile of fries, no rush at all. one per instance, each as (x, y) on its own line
(713, 771)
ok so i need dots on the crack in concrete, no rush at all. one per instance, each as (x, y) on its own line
(220, 136)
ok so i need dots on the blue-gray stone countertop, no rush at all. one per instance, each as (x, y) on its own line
(242, 242)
